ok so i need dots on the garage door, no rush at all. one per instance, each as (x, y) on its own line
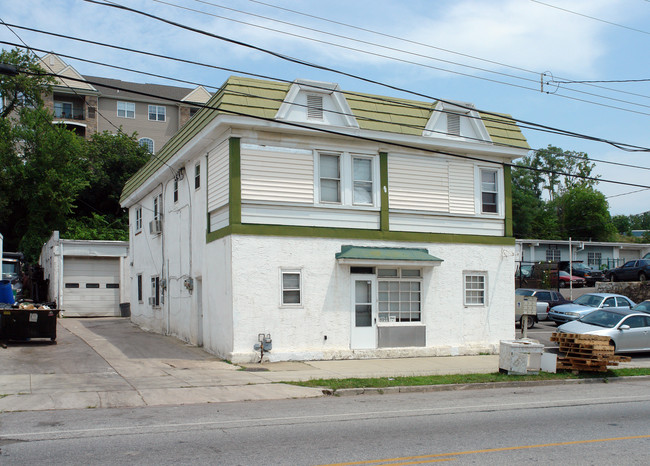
(91, 286)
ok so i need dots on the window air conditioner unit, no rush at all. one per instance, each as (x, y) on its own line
(155, 226)
(152, 301)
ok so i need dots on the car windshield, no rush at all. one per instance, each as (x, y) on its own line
(580, 267)
(589, 300)
(521, 292)
(602, 319)
(643, 307)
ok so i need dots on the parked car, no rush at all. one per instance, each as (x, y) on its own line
(643, 306)
(631, 271)
(628, 330)
(553, 298)
(588, 303)
(578, 269)
(566, 280)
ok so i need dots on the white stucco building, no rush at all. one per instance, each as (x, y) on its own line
(342, 225)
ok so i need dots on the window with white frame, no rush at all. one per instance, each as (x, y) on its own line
(139, 287)
(400, 295)
(155, 291)
(157, 207)
(126, 109)
(197, 175)
(147, 143)
(552, 253)
(157, 112)
(362, 181)
(330, 178)
(489, 191)
(475, 288)
(347, 179)
(138, 219)
(594, 259)
(291, 287)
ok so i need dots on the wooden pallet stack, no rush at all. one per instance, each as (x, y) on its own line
(586, 352)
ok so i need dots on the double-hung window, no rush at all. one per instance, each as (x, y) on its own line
(138, 219)
(197, 176)
(291, 288)
(362, 181)
(400, 295)
(155, 291)
(552, 253)
(489, 191)
(157, 112)
(157, 207)
(126, 109)
(139, 287)
(347, 179)
(594, 259)
(475, 288)
(330, 178)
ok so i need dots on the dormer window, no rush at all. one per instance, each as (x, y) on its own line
(316, 102)
(456, 121)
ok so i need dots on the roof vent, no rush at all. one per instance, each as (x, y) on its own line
(314, 107)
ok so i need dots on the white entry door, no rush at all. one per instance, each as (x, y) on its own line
(363, 334)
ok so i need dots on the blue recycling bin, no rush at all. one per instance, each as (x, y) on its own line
(6, 292)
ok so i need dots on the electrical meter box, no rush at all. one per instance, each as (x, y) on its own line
(525, 305)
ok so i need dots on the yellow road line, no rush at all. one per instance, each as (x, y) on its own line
(430, 458)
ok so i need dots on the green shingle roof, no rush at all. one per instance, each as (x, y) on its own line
(263, 98)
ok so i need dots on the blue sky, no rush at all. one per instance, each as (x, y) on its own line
(490, 53)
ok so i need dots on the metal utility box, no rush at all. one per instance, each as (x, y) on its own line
(525, 305)
(520, 357)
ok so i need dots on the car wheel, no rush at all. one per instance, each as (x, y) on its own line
(611, 343)
(614, 278)
(642, 277)
(562, 285)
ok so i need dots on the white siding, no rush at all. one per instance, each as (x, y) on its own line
(461, 188)
(218, 176)
(418, 183)
(446, 224)
(310, 216)
(277, 174)
(219, 218)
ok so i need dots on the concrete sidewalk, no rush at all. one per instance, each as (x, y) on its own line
(110, 362)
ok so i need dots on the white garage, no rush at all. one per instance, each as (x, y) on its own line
(86, 278)
(91, 286)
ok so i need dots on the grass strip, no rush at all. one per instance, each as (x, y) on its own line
(383, 382)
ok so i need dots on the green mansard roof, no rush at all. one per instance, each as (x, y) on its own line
(262, 99)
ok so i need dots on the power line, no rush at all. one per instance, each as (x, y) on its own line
(509, 121)
(625, 147)
(422, 44)
(244, 94)
(592, 17)
(355, 49)
(356, 136)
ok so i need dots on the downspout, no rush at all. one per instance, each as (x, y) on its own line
(60, 286)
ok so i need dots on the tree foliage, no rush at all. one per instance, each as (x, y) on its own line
(27, 87)
(52, 179)
(554, 200)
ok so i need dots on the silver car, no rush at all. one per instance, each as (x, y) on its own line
(629, 330)
(587, 303)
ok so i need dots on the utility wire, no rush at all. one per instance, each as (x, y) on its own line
(355, 49)
(509, 121)
(356, 136)
(592, 17)
(422, 44)
(244, 94)
(625, 147)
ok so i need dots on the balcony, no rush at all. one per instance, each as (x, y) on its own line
(68, 111)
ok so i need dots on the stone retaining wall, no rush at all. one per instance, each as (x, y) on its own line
(636, 291)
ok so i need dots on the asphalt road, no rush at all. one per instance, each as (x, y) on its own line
(564, 424)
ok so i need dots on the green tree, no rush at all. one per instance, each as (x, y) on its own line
(622, 223)
(583, 214)
(45, 173)
(26, 88)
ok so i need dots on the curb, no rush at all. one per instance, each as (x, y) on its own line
(476, 386)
